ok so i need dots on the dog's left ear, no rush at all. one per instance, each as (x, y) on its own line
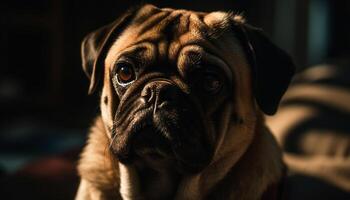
(95, 46)
(272, 68)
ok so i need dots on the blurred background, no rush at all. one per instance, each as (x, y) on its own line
(45, 111)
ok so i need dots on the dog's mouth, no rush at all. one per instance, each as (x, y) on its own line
(151, 144)
(156, 140)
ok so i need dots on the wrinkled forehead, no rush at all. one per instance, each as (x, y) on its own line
(172, 29)
(173, 25)
(171, 35)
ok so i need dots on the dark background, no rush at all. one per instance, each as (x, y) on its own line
(44, 106)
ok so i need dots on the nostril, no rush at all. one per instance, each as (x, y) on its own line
(169, 94)
(161, 93)
(147, 94)
(172, 94)
(168, 97)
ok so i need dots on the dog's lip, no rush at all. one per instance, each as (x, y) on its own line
(174, 151)
(171, 153)
(152, 154)
(149, 141)
(133, 146)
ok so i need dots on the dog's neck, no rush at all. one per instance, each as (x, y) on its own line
(140, 182)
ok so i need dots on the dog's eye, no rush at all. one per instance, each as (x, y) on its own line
(125, 72)
(211, 83)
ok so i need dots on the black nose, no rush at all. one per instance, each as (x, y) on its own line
(160, 93)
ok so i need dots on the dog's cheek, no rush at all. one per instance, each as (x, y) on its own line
(107, 105)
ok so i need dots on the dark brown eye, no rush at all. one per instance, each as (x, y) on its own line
(125, 72)
(212, 83)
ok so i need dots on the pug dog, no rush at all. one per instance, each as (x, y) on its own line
(183, 97)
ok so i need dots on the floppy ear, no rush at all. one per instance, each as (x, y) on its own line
(272, 68)
(95, 46)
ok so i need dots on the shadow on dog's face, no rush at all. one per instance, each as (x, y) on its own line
(175, 81)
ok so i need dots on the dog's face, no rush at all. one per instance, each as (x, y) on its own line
(175, 82)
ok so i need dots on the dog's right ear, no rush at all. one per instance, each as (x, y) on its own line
(95, 46)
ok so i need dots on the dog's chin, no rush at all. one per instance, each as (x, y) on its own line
(150, 147)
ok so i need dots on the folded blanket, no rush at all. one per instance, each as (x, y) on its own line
(313, 128)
